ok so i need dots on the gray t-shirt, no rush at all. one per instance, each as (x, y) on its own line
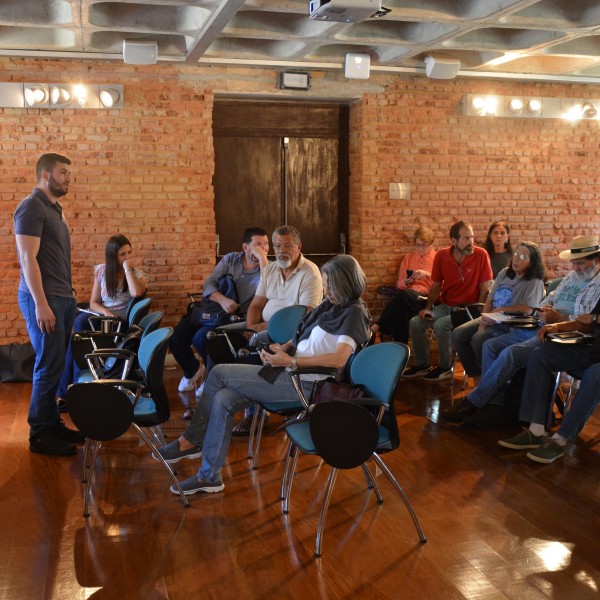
(510, 292)
(245, 281)
(37, 216)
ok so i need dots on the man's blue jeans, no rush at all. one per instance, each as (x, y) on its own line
(539, 384)
(71, 371)
(229, 389)
(50, 358)
(186, 335)
(502, 370)
(442, 325)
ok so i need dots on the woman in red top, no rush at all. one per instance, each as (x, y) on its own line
(414, 283)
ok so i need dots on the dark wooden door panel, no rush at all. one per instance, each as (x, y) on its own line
(312, 192)
(247, 187)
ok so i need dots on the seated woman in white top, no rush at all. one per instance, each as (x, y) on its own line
(327, 337)
(517, 288)
(116, 282)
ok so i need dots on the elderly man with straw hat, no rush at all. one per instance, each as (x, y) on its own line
(576, 295)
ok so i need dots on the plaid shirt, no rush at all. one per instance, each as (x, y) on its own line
(586, 300)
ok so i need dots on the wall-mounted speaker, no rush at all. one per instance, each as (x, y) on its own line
(357, 66)
(441, 68)
(138, 52)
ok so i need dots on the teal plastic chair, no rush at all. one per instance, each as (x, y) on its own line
(280, 329)
(103, 368)
(338, 434)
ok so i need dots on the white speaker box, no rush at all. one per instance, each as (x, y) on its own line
(138, 52)
(357, 66)
(441, 68)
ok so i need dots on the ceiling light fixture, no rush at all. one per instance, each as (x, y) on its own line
(80, 93)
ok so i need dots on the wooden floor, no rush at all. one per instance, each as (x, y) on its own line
(499, 526)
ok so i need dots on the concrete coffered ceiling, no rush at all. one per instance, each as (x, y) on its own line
(526, 39)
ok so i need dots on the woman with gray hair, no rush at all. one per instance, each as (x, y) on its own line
(327, 337)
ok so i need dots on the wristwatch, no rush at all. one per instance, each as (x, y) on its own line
(294, 364)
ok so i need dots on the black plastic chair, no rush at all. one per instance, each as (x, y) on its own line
(148, 401)
(344, 435)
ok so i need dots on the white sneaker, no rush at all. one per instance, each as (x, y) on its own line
(188, 385)
(200, 389)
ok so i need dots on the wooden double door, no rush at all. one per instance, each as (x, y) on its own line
(282, 163)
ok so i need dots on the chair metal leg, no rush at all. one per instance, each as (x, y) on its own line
(87, 452)
(292, 469)
(258, 437)
(554, 399)
(328, 491)
(286, 468)
(95, 446)
(253, 427)
(166, 465)
(372, 483)
(402, 495)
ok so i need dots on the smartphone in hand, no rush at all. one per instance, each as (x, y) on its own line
(265, 347)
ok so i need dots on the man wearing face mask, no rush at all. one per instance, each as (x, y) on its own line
(576, 295)
(291, 279)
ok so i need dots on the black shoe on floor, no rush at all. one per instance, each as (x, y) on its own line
(61, 406)
(69, 435)
(457, 413)
(489, 415)
(49, 442)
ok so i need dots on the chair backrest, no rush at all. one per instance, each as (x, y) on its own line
(379, 368)
(282, 325)
(151, 358)
(553, 284)
(138, 311)
(101, 412)
(151, 322)
(131, 304)
(345, 435)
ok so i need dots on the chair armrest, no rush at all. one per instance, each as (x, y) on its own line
(100, 334)
(111, 352)
(126, 383)
(332, 371)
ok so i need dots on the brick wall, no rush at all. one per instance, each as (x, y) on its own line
(146, 170)
(539, 175)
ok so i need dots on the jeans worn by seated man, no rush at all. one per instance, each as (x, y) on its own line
(537, 399)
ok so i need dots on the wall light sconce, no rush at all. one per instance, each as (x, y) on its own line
(533, 107)
(111, 97)
(514, 107)
(571, 109)
(60, 95)
(357, 66)
(36, 94)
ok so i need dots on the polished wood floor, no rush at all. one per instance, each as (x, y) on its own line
(498, 525)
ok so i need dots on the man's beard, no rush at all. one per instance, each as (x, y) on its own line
(284, 261)
(56, 190)
(467, 250)
(587, 274)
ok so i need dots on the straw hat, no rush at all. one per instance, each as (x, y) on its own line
(581, 246)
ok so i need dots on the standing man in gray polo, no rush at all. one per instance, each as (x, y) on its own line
(46, 299)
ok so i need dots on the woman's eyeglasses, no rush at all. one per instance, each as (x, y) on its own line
(423, 245)
(520, 256)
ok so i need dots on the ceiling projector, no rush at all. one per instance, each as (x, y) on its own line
(343, 11)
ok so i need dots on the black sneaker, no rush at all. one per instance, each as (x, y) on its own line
(489, 415)
(69, 435)
(415, 372)
(49, 442)
(438, 374)
(455, 414)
